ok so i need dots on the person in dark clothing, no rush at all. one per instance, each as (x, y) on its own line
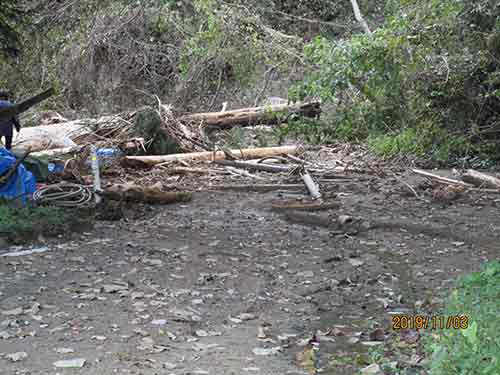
(7, 125)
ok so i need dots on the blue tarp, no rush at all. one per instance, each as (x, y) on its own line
(21, 185)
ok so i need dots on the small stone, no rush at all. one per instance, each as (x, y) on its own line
(159, 322)
(137, 295)
(87, 297)
(13, 312)
(246, 317)
(372, 343)
(114, 288)
(153, 262)
(377, 335)
(356, 263)
(71, 363)
(261, 333)
(199, 347)
(352, 340)
(184, 316)
(16, 357)
(169, 366)
(64, 350)
(266, 351)
(203, 333)
(306, 274)
(373, 369)
(4, 335)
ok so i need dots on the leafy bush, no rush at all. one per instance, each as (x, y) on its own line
(475, 350)
(432, 62)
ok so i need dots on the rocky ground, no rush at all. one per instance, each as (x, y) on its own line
(225, 285)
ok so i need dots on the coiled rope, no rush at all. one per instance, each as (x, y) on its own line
(64, 195)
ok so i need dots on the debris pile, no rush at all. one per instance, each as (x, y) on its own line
(61, 153)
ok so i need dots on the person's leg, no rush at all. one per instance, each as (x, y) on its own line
(8, 142)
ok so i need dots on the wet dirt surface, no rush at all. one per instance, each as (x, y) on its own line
(185, 288)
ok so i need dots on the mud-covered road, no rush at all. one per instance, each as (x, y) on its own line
(188, 288)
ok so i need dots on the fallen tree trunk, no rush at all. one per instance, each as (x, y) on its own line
(136, 193)
(249, 153)
(443, 180)
(273, 114)
(19, 108)
(263, 188)
(254, 166)
(481, 179)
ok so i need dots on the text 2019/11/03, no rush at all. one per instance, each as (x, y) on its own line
(400, 322)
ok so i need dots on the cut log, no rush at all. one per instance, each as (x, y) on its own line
(249, 153)
(273, 114)
(481, 179)
(136, 193)
(254, 166)
(259, 188)
(19, 108)
(188, 170)
(311, 186)
(440, 179)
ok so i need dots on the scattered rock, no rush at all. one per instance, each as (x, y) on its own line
(179, 315)
(4, 335)
(305, 274)
(64, 350)
(373, 369)
(246, 317)
(159, 322)
(169, 366)
(203, 333)
(267, 351)
(114, 288)
(199, 347)
(137, 295)
(353, 340)
(70, 363)
(377, 335)
(16, 357)
(356, 262)
(14, 312)
(372, 343)
(261, 333)
(153, 262)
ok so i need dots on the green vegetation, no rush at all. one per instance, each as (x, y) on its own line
(18, 225)
(425, 83)
(10, 16)
(475, 350)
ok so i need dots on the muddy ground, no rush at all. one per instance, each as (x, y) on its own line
(183, 289)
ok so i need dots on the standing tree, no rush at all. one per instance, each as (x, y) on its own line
(10, 16)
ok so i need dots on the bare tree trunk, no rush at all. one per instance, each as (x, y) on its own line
(359, 17)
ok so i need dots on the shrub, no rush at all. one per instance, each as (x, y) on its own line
(475, 350)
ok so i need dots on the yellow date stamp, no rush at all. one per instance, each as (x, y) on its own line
(434, 322)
